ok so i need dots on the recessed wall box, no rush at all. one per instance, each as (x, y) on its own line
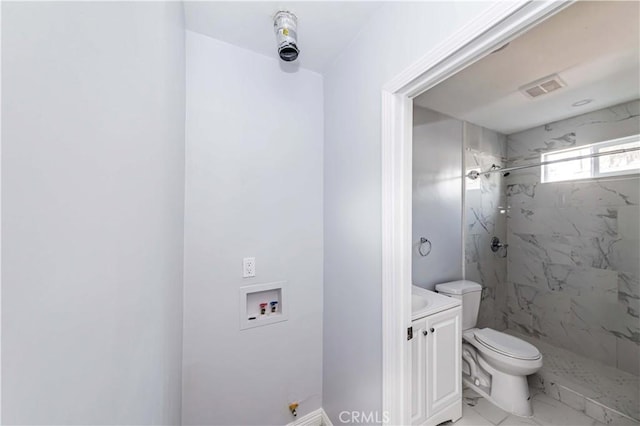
(263, 304)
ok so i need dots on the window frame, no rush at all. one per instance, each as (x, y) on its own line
(593, 148)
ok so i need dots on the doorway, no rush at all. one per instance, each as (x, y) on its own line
(498, 26)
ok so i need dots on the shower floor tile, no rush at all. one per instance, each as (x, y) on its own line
(477, 411)
(606, 394)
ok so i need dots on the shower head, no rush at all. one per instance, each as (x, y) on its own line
(493, 168)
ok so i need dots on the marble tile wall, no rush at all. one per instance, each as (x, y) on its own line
(574, 247)
(485, 217)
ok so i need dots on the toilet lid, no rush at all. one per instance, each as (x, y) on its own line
(507, 345)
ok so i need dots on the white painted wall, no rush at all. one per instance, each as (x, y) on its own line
(397, 35)
(437, 197)
(254, 138)
(92, 211)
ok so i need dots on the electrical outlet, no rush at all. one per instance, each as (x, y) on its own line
(248, 267)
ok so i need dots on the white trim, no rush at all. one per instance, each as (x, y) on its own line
(326, 421)
(500, 24)
(0, 230)
(314, 418)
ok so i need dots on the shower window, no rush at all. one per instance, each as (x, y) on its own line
(593, 167)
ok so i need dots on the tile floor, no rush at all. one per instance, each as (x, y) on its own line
(477, 411)
(604, 393)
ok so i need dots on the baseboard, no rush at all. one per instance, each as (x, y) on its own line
(326, 421)
(314, 418)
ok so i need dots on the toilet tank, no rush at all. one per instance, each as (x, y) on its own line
(469, 293)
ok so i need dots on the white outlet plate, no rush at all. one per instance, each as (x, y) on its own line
(248, 267)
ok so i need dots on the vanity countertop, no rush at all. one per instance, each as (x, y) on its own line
(425, 302)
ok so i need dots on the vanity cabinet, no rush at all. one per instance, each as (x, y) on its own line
(436, 359)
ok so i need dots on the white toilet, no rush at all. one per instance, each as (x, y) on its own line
(494, 364)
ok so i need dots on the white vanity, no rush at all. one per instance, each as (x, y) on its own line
(436, 377)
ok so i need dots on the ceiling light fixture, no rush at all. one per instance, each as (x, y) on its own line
(582, 102)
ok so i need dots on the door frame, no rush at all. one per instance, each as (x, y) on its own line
(499, 24)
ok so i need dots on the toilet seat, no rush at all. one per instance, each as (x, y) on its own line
(506, 345)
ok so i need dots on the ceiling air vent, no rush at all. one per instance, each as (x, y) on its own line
(543, 86)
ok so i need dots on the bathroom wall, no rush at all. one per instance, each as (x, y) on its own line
(573, 265)
(437, 197)
(254, 136)
(92, 212)
(485, 211)
(397, 35)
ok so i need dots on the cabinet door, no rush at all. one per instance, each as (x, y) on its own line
(418, 372)
(444, 379)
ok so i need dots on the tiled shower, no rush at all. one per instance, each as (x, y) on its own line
(568, 275)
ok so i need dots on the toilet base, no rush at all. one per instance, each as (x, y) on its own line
(509, 392)
(522, 408)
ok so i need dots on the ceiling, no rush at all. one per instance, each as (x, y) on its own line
(324, 28)
(594, 46)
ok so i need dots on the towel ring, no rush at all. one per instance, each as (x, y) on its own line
(424, 241)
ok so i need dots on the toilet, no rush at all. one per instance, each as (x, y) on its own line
(494, 364)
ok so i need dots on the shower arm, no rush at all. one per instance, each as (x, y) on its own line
(474, 174)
